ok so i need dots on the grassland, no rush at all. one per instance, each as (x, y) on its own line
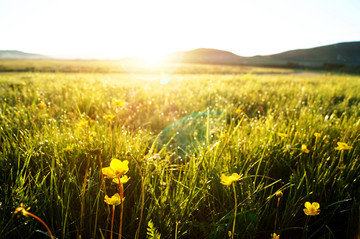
(179, 137)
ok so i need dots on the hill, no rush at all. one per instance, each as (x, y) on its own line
(12, 54)
(340, 54)
(212, 56)
(343, 57)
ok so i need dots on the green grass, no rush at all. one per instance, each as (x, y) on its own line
(43, 156)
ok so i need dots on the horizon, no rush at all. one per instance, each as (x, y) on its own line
(114, 30)
(68, 57)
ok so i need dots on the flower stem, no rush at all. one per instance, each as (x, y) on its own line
(121, 189)
(306, 227)
(111, 138)
(341, 157)
(42, 222)
(235, 211)
(316, 139)
(277, 211)
(112, 222)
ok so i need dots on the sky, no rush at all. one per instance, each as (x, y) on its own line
(117, 28)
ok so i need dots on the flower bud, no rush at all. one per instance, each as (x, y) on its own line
(279, 194)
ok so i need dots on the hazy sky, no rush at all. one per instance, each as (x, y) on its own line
(116, 28)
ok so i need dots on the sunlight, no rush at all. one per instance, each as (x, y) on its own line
(151, 58)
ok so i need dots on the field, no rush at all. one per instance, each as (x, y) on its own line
(279, 130)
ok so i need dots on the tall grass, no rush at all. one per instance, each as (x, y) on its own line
(44, 156)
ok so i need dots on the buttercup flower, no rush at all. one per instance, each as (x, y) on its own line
(279, 194)
(123, 179)
(68, 148)
(41, 105)
(317, 135)
(22, 210)
(228, 180)
(81, 124)
(117, 168)
(275, 236)
(118, 102)
(282, 135)
(343, 146)
(305, 149)
(114, 200)
(312, 209)
(109, 117)
(92, 135)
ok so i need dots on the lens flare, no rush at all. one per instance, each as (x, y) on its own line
(153, 66)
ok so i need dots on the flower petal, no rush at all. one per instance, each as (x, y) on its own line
(108, 172)
(307, 205)
(236, 176)
(123, 179)
(114, 200)
(225, 180)
(315, 205)
(307, 212)
(119, 167)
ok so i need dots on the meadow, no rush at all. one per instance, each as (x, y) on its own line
(290, 136)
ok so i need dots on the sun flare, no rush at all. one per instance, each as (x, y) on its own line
(151, 58)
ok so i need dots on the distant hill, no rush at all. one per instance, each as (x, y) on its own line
(212, 56)
(12, 54)
(340, 54)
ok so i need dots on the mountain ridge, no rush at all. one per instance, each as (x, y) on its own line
(15, 54)
(344, 53)
(333, 55)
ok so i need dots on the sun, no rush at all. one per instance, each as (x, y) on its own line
(159, 64)
(151, 58)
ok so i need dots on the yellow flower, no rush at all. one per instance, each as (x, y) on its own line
(92, 135)
(118, 102)
(297, 133)
(22, 210)
(279, 194)
(123, 179)
(317, 135)
(282, 135)
(228, 180)
(305, 149)
(41, 105)
(114, 200)
(68, 148)
(238, 111)
(81, 124)
(343, 146)
(312, 209)
(275, 236)
(109, 117)
(117, 168)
